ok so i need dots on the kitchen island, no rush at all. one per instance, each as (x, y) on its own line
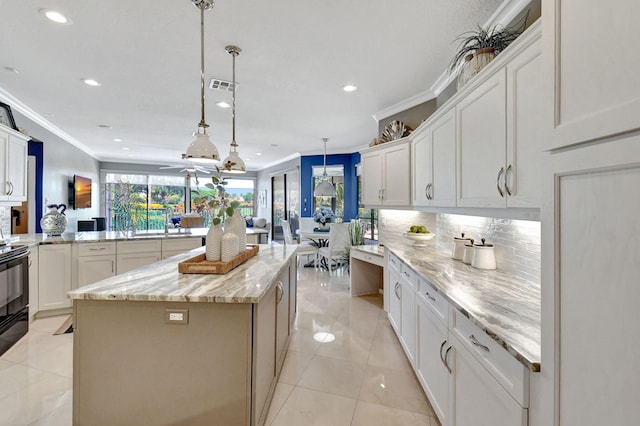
(153, 346)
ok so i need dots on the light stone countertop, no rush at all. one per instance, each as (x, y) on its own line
(161, 281)
(375, 250)
(506, 307)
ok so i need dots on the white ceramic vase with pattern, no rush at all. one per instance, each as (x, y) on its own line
(236, 224)
(229, 247)
(213, 250)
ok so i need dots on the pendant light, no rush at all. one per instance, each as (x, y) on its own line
(233, 163)
(202, 149)
(325, 188)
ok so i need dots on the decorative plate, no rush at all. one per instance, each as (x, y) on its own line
(418, 240)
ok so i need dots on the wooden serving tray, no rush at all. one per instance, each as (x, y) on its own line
(199, 264)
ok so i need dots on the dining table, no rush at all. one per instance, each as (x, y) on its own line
(317, 238)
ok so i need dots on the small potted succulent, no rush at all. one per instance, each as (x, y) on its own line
(323, 217)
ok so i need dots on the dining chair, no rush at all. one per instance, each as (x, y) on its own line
(307, 224)
(336, 251)
(305, 248)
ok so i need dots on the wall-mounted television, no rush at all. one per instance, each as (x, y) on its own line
(81, 192)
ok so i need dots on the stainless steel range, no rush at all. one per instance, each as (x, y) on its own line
(14, 295)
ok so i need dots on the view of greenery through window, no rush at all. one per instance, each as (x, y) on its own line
(146, 202)
(241, 190)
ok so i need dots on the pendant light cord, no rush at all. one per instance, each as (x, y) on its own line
(202, 124)
(324, 173)
(233, 102)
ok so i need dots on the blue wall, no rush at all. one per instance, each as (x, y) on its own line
(349, 162)
(36, 149)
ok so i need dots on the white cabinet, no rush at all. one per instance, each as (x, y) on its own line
(433, 350)
(93, 262)
(479, 399)
(386, 175)
(594, 82)
(172, 247)
(13, 166)
(395, 301)
(282, 318)
(433, 159)
(33, 281)
(134, 254)
(54, 273)
(408, 314)
(500, 133)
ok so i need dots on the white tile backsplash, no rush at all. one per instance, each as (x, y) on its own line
(517, 242)
(5, 220)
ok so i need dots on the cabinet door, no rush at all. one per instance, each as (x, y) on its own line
(371, 178)
(421, 162)
(395, 300)
(33, 281)
(54, 271)
(443, 155)
(128, 262)
(17, 169)
(431, 370)
(479, 399)
(264, 354)
(396, 189)
(481, 121)
(282, 318)
(92, 269)
(408, 319)
(4, 147)
(526, 114)
(596, 89)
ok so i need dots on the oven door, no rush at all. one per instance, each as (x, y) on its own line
(14, 301)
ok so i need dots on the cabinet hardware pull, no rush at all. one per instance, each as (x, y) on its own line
(112, 266)
(7, 191)
(430, 297)
(478, 344)
(444, 342)
(426, 191)
(396, 290)
(30, 263)
(446, 357)
(97, 249)
(10, 188)
(406, 274)
(431, 191)
(506, 181)
(382, 197)
(281, 288)
(500, 173)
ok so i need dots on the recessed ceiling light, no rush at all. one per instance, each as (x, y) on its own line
(349, 88)
(117, 140)
(223, 104)
(104, 126)
(258, 153)
(124, 148)
(274, 145)
(129, 155)
(55, 16)
(91, 82)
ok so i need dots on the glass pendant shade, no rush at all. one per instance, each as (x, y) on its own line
(325, 188)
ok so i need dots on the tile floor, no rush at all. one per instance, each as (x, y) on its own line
(360, 378)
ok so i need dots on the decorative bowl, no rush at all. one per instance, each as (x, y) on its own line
(419, 240)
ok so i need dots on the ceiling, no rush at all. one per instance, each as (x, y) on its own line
(297, 55)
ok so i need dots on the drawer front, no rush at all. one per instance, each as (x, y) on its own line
(408, 274)
(434, 300)
(142, 246)
(183, 244)
(394, 262)
(96, 249)
(367, 257)
(504, 367)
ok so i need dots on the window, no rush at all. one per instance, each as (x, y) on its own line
(242, 190)
(141, 201)
(370, 216)
(336, 177)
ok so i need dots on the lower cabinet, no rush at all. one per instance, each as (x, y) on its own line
(282, 318)
(54, 276)
(467, 376)
(93, 262)
(33, 281)
(134, 254)
(172, 247)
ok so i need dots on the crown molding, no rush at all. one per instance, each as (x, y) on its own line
(282, 160)
(23, 109)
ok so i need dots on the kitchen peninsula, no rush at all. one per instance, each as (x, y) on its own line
(153, 346)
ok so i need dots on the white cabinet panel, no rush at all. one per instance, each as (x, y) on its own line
(596, 89)
(127, 262)
(443, 147)
(54, 273)
(395, 304)
(92, 269)
(372, 178)
(422, 166)
(386, 175)
(13, 166)
(33, 281)
(408, 318)
(481, 120)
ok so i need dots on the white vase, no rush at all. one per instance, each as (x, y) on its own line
(229, 247)
(236, 225)
(213, 248)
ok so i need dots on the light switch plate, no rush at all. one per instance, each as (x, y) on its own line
(176, 316)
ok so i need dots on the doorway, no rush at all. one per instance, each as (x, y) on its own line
(285, 204)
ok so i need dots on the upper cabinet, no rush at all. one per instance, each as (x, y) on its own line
(596, 83)
(386, 175)
(13, 166)
(433, 160)
(500, 133)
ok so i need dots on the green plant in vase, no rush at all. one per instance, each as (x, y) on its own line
(216, 198)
